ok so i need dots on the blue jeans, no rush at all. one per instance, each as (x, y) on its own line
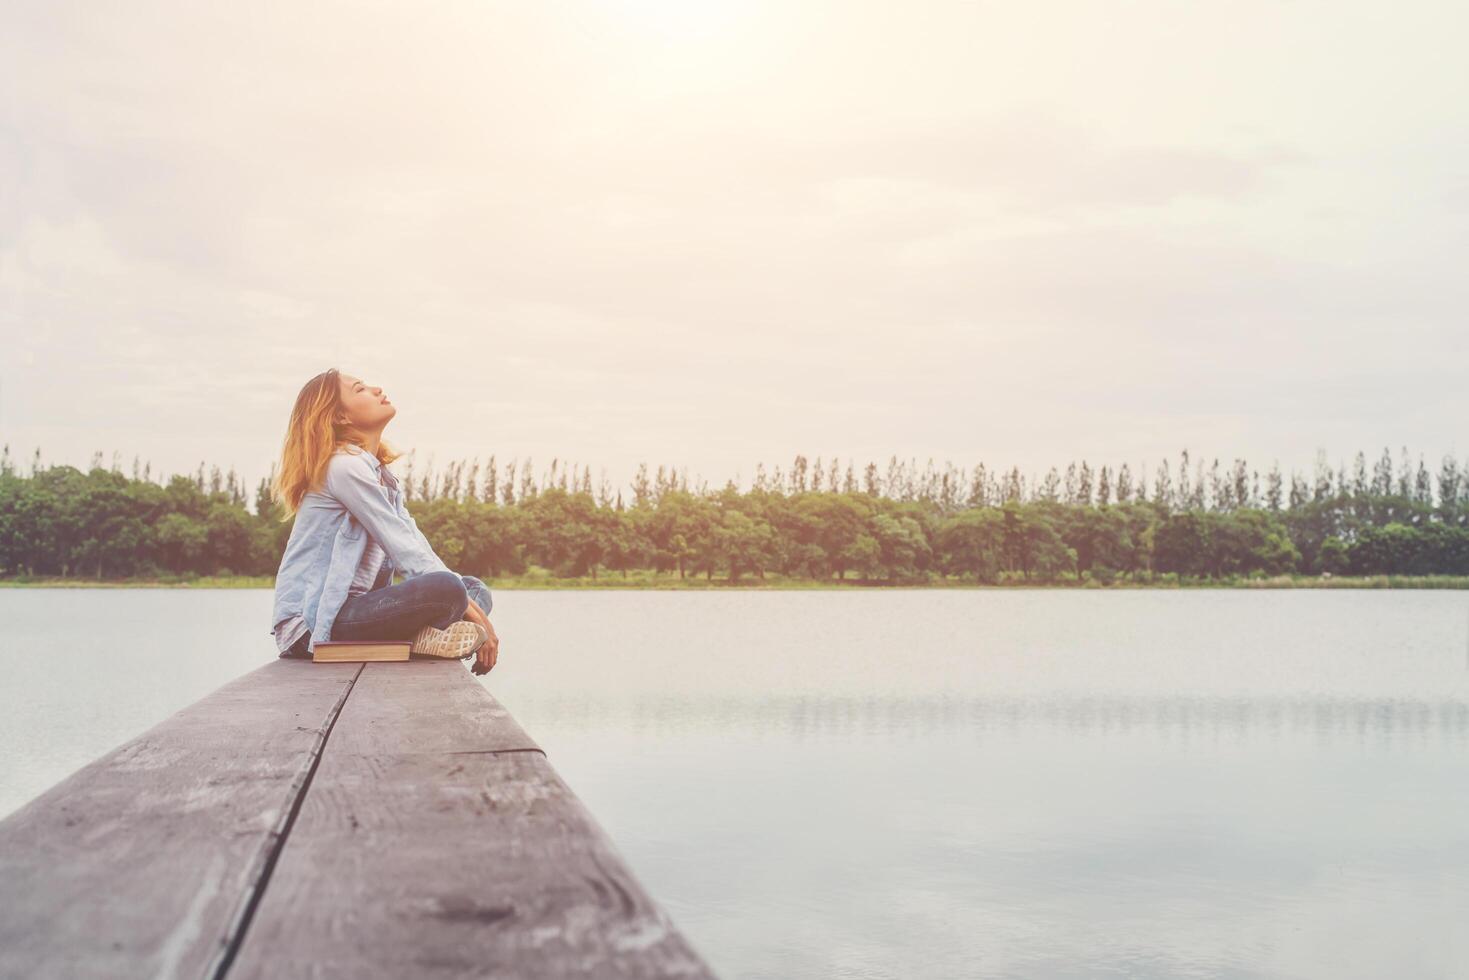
(398, 612)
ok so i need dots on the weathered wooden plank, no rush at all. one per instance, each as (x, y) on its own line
(430, 706)
(144, 862)
(437, 840)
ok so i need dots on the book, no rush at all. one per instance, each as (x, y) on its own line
(352, 651)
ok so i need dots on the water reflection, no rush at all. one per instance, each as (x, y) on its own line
(1362, 720)
(948, 785)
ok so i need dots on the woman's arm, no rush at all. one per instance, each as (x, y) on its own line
(352, 481)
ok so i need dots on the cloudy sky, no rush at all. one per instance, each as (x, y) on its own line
(710, 233)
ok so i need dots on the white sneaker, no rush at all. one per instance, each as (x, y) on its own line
(458, 642)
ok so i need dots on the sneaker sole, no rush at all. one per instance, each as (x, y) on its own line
(458, 642)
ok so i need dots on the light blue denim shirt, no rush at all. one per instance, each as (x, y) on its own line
(359, 499)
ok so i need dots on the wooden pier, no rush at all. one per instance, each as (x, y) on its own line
(326, 820)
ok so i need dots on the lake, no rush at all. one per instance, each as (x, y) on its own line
(876, 783)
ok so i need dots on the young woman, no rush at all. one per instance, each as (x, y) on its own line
(352, 532)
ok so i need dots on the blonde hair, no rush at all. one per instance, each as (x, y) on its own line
(312, 435)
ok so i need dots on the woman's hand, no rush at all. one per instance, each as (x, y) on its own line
(489, 651)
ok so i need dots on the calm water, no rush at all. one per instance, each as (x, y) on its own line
(875, 784)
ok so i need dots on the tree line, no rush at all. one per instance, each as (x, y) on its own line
(897, 524)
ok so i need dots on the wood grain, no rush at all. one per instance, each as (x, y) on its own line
(144, 862)
(436, 840)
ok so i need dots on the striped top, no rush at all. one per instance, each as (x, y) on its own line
(367, 569)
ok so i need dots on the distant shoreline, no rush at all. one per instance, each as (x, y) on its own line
(779, 583)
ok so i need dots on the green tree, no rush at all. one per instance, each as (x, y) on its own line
(972, 543)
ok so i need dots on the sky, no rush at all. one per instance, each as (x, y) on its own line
(711, 234)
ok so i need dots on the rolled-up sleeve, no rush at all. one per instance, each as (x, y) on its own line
(352, 481)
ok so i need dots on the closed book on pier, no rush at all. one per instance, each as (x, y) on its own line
(351, 651)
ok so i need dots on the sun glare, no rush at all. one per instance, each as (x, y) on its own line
(679, 19)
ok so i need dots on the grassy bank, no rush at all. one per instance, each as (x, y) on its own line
(538, 578)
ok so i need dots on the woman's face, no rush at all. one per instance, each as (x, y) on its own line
(364, 406)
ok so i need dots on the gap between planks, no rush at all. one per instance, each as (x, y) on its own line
(234, 936)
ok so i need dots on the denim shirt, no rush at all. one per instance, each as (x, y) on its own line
(360, 500)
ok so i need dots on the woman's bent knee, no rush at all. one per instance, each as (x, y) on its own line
(449, 582)
(449, 588)
(479, 592)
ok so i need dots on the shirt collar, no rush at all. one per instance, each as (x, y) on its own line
(356, 450)
(384, 475)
